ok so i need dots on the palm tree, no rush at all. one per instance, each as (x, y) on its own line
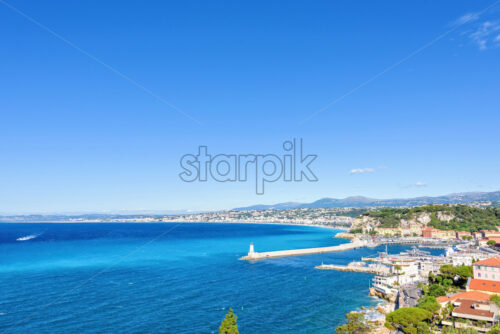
(397, 268)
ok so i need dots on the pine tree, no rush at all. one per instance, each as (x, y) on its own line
(228, 325)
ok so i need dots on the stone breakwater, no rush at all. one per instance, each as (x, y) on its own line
(356, 243)
(359, 269)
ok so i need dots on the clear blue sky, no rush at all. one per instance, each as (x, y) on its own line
(77, 136)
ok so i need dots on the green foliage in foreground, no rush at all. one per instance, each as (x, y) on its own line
(495, 299)
(409, 319)
(228, 325)
(449, 271)
(423, 328)
(451, 277)
(436, 290)
(467, 331)
(429, 303)
(466, 218)
(494, 330)
(355, 324)
(451, 330)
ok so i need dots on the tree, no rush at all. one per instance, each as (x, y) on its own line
(355, 324)
(491, 243)
(408, 317)
(464, 272)
(410, 330)
(397, 268)
(458, 274)
(495, 299)
(432, 278)
(423, 328)
(436, 290)
(228, 325)
(429, 303)
(448, 330)
(447, 283)
(494, 330)
(388, 325)
(467, 331)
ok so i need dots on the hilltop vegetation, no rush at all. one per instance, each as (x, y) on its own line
(443, 217)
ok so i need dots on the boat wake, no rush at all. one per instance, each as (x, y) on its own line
(27, 237)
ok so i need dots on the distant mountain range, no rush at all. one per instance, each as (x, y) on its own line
(360, 201)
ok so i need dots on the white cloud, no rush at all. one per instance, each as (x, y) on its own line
(420, 184)
(482, 32)
(362, 170)
(469, 17)
(485, 34)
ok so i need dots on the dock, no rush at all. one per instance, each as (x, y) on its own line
(252, 255)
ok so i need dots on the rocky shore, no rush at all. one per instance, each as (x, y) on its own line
(375, 316)
(390, 297)
(344, 235)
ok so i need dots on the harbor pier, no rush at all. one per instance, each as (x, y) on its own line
(359, 268)
(253, 255)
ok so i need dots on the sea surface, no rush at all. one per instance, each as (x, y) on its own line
(173, 278)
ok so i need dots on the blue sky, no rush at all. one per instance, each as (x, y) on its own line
(87, 122)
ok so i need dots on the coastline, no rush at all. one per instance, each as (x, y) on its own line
(375, 315)
(343, 228)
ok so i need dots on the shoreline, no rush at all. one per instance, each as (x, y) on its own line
(172, 222)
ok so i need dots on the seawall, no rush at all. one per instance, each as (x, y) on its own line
(305, 251)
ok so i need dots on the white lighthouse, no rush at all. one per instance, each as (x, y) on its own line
(251, 251)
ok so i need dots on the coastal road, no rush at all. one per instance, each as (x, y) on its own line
(411, 293)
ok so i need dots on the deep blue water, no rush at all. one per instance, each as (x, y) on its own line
(171, 278)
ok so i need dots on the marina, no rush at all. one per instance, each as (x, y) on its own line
(355, 243)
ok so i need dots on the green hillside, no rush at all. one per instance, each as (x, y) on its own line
(466, 218)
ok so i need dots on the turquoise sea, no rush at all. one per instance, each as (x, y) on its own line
(172, 278)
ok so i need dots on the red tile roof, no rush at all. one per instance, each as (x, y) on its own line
(492, 261)
(496, 239)
(467, 307)
(443, 299)
(484, 285)
(469, 295)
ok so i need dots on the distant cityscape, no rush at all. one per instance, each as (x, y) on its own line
(334, 216)
(307, 216)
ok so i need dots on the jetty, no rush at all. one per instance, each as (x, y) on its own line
(253, 255)
(423, 242)
(358, 267)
